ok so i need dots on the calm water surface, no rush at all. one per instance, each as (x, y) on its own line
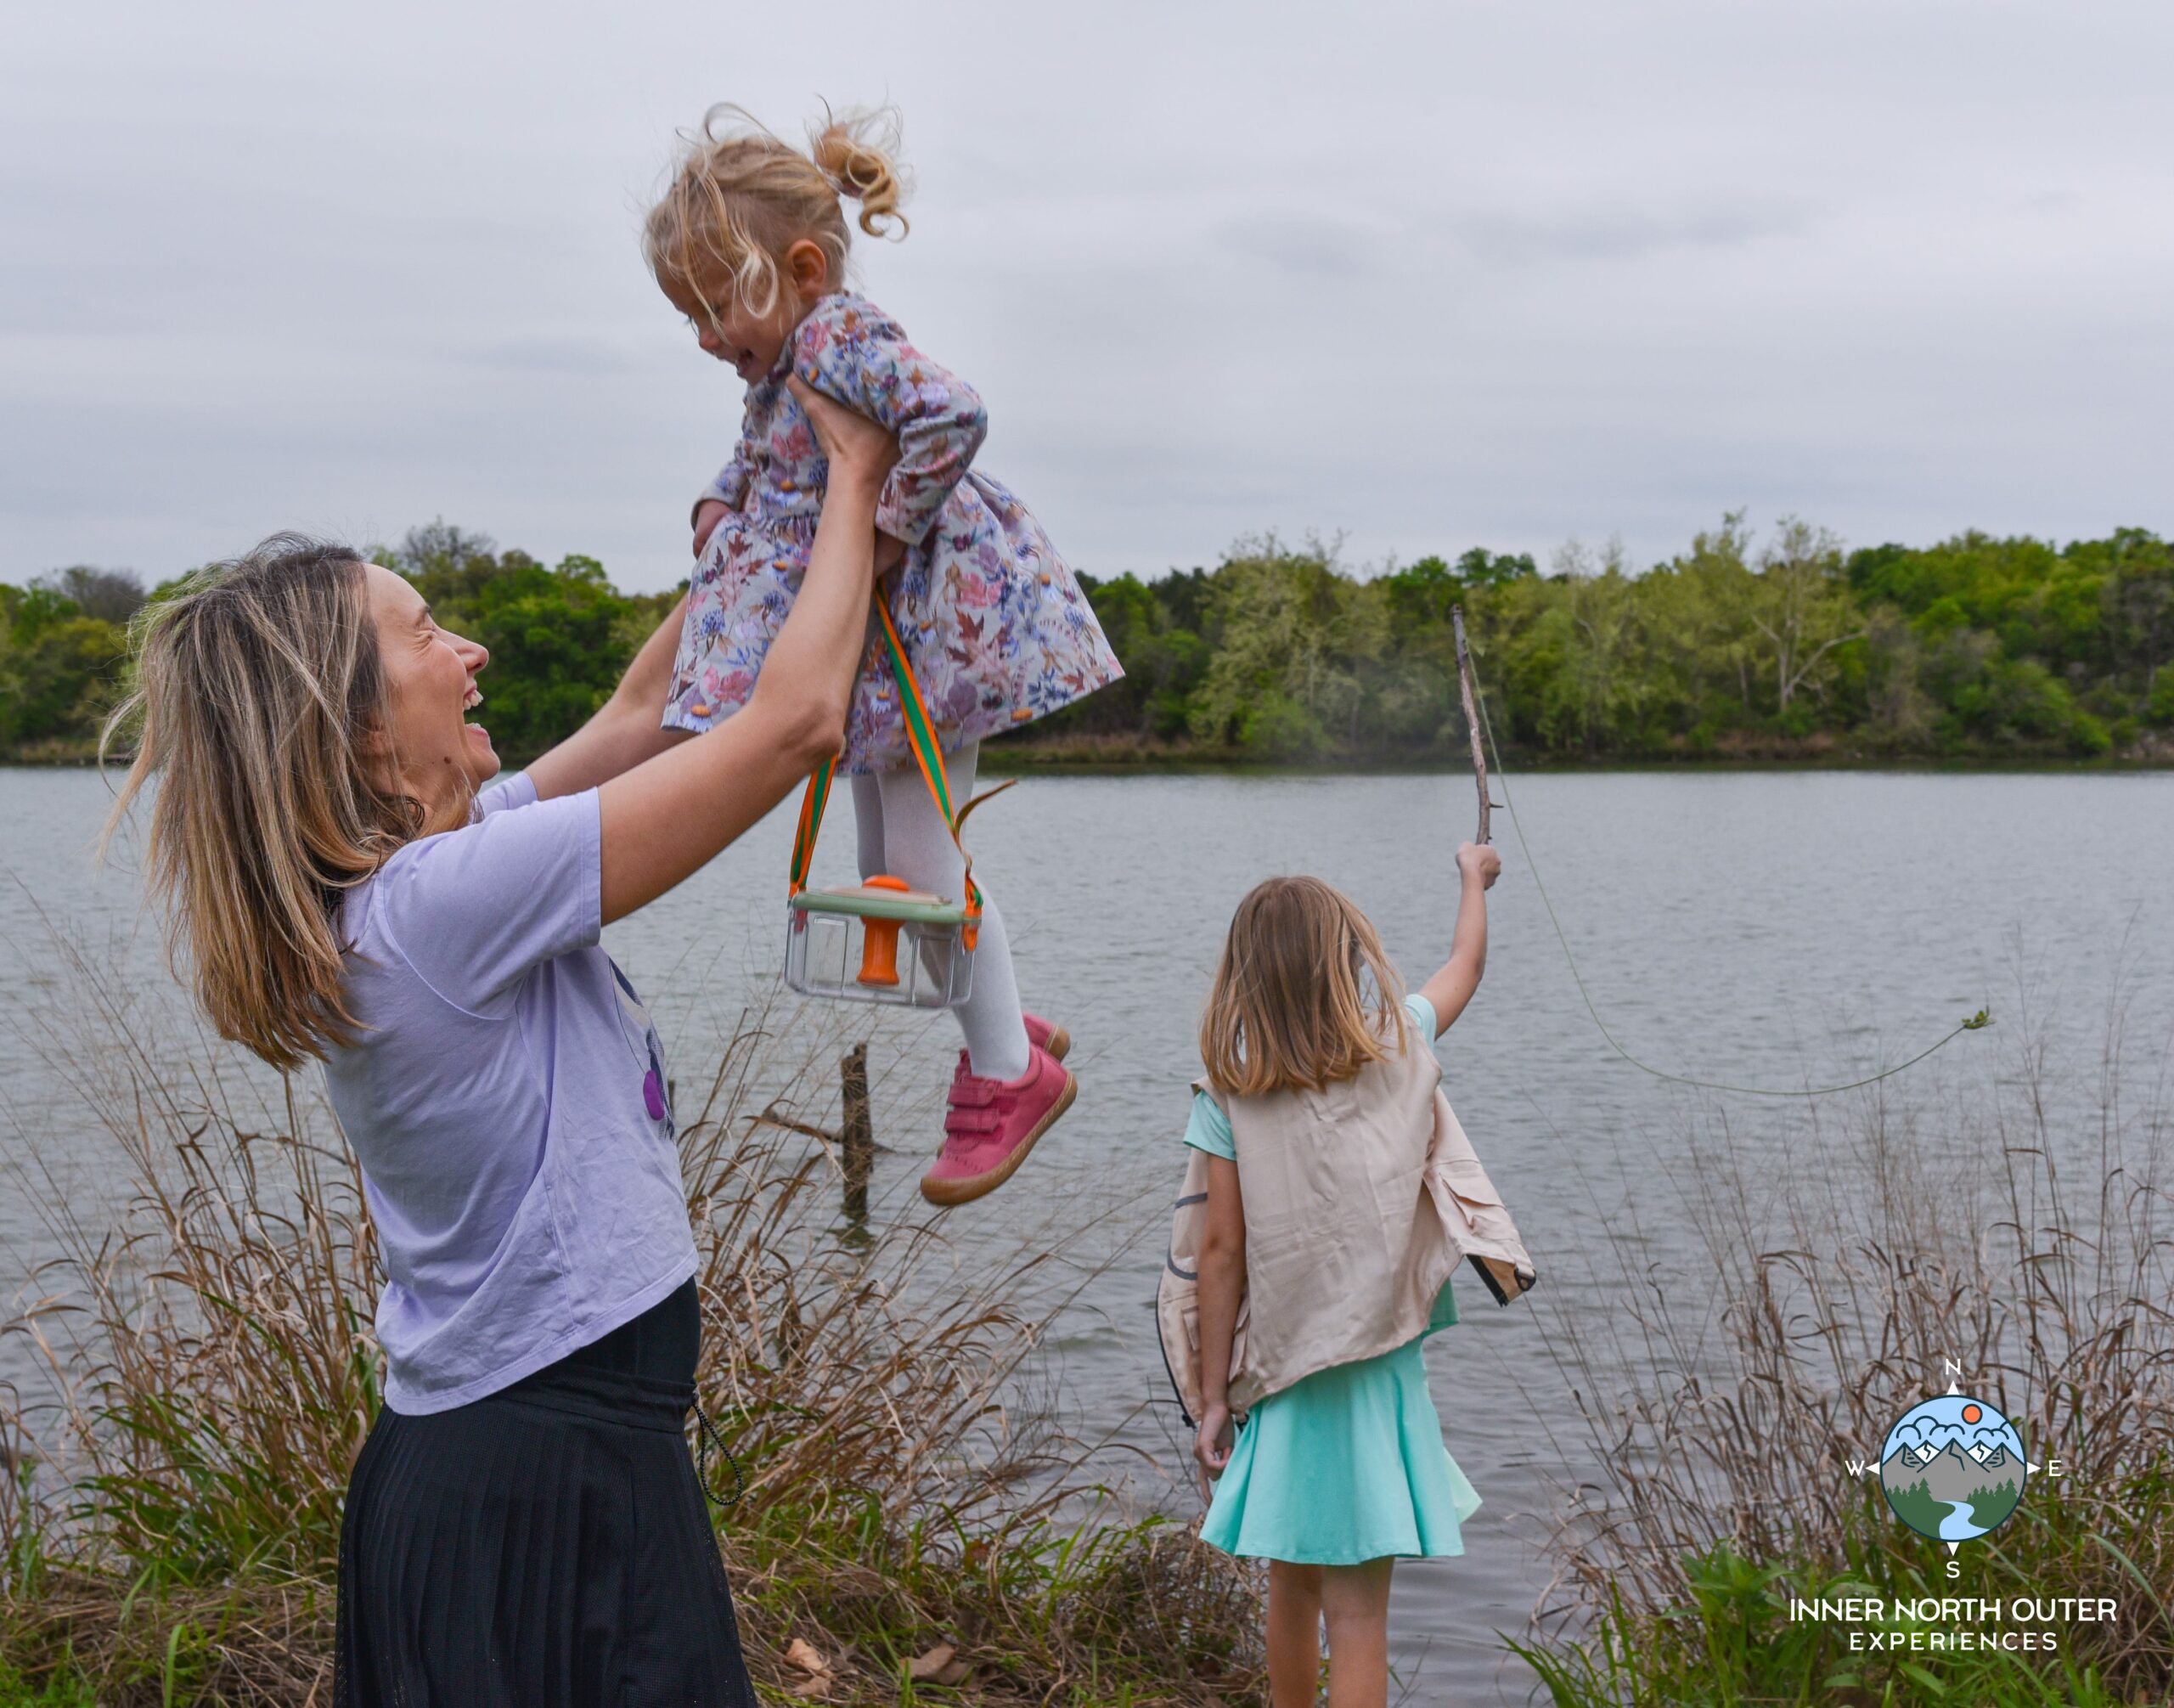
(1762, 927)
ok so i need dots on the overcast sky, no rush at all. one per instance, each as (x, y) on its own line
(1424, 277)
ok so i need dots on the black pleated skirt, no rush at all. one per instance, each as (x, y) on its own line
(546, 1546)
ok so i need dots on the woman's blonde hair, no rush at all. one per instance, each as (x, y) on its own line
(255, 686)
(1303, 994)
(742, 196)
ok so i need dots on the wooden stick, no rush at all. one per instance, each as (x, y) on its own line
(1472, 720)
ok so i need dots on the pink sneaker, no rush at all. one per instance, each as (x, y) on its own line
(991, 1124)
(1043, 1036)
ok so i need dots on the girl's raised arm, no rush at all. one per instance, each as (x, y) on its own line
(1451, 987)
(666, 818)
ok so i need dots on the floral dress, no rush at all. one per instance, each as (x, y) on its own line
(995, 626)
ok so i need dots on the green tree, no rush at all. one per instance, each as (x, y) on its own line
(1292, 638)
(1586, 650)
(1161, 659)
(59, 670)
(1898, 712)
(1803, 610)
(2136, 578)
(1703, 643)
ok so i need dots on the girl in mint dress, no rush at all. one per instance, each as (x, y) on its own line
(1318, 1282)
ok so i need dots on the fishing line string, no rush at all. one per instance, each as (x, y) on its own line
(1977, 1021)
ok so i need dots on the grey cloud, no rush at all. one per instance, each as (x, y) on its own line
(1617, 233)
(1305, 243)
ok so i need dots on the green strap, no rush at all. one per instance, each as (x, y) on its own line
(920, 735)
(811, 803)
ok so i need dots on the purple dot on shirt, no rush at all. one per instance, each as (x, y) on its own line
(653, 1095)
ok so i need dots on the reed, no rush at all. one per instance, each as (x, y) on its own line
(2021, 1227)
(168, 1532)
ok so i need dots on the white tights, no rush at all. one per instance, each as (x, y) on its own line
(900, 831)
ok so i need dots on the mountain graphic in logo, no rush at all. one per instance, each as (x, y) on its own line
(1954, 1469)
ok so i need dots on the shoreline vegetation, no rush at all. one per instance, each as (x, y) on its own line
(1786, 649)
(2019, 1222)
(907, 1529)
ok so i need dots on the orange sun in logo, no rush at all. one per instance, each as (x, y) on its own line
(1971, 1414)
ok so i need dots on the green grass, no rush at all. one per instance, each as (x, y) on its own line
(63, 1687)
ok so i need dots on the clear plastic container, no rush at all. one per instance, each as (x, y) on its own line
(880, 941)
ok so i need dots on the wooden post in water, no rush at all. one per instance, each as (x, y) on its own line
(856, 1132)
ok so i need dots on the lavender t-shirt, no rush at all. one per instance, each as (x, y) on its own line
(506, 1103)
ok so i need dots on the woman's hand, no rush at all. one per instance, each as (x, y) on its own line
(1211, 1447)
(856, 448)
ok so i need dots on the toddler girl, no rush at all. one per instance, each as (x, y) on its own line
(750, 243)
(1329, 1197)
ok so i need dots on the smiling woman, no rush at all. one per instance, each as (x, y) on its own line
(431, 687)
(352, 888)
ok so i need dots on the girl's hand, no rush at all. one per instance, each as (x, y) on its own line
(706, 516)
(854, 446)
(1211, 1447)
(1478, 861)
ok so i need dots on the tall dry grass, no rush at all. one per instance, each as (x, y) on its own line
(208, 1373)
(2022, 1226)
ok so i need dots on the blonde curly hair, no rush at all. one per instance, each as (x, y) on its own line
(741, 196)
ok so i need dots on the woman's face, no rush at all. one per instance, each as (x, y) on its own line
(430, 679)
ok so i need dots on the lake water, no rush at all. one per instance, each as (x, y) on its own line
(1770, 929)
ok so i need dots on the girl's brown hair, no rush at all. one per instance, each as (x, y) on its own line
(741, 197)
(255, 686)
(1303, 994)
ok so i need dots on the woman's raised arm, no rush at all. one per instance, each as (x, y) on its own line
(626, 729)
(670, 815)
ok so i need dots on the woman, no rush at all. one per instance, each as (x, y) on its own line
(523, 1525)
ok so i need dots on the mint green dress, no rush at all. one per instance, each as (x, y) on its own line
(1349, 1465)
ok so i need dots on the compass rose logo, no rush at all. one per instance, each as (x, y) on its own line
(1954, 1469)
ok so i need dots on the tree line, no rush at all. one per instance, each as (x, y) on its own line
(1788, 646)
